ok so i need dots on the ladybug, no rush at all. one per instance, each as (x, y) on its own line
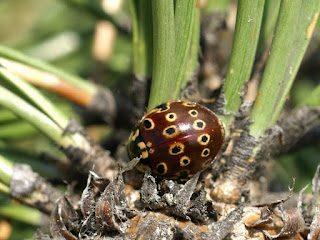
(176, 140)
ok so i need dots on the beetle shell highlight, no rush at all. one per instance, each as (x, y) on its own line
(176, 140)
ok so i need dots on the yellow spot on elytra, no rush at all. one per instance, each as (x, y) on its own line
(203, 139)
(198, 124)
(184, 161)
(159, 110)
(135, 135)
(189, 104)
(144, 154)
(193, 113)
(205, 152)
(162, 170)
(148, 124)
(171, 117)
(176, 148)
(170, 131)
(222, 128)
(141, 145)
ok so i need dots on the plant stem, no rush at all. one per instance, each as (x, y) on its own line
(48, 81)
(19, 57)
(16, 130)
(142, 37)
(34, 116)
(21, 213)
(17, 155)
(163, 52)
(51, 121)
(4, 188)
(269, 20)
(33, 96)
(194, 45)
(294, 28)
(6, 116)
(184, 18)
(248, 22)
(6, 170)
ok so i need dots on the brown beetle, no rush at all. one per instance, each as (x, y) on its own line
(176, 140)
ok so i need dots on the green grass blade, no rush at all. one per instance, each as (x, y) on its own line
(34, 97)
(269, 20)
(18, 155)
(4, 188)
(45, 124)
(248, 22)
(194, 46)
(163, 52)
(6, 170)
(21, 213)
(293, 31)
(26, 111)
(142, 37)
(184, 18)
(17, 130)
(6, 116)
(307, 20)
(19, 57)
